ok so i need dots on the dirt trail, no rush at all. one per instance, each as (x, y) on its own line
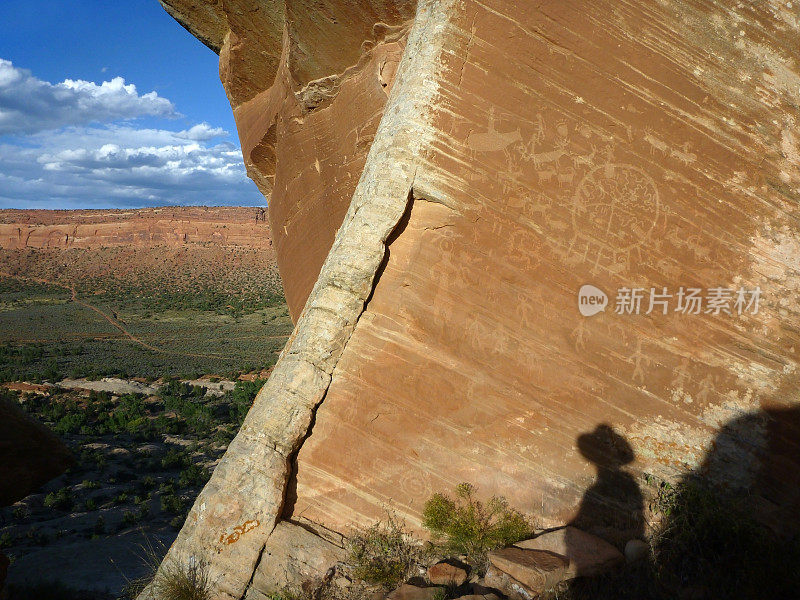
(110, 319)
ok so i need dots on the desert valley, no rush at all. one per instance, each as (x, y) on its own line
(140, 338)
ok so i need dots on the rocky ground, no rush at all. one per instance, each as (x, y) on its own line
(142, 451)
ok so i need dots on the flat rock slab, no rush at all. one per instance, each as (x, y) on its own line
(412, 592)
(535, 570)
(509, 586)
(292, 555)
(445, 573)
(587, 554)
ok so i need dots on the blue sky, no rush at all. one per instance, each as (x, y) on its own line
(74, 133)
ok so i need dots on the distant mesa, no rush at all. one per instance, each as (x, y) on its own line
(145, 227)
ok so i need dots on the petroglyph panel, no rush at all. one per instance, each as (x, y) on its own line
(592, 150)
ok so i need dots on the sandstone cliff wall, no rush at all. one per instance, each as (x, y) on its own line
(168, 226)
(433, 266)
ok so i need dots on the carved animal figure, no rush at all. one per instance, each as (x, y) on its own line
(655, 143)
(492, 140)
(684, 156)
(586, 160)
(546, 175)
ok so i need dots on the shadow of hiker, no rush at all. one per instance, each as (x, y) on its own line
(730, 529)
(612, 508)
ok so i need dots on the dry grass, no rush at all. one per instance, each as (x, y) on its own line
(176, 581)
(383, 554)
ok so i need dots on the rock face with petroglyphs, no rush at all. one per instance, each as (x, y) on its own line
(443, 179)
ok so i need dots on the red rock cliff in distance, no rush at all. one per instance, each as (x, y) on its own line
(145, 227)
(443, 179)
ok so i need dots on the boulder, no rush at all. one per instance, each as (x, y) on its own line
(445, 573)
(30, 454)
(587, 554)
(293, 557)
(413, 592)
(522, 573)
(636, 550)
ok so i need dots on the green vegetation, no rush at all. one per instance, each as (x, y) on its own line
(62, 499)
(140, 461)
(45, 336)
(182, 409)
(382, 554)
(385, 554)
(466, 526)
(284, 595)
(713, 539)
(159, 315)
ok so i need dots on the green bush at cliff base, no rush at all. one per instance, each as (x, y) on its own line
(465, 526)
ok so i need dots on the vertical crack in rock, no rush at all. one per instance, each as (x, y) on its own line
(234, 515)
(292, 481)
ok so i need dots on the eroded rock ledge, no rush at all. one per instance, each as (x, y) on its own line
(519, 153)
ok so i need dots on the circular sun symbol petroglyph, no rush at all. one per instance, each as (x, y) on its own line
(616, 204)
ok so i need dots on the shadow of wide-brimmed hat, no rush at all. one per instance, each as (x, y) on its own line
(605, 447)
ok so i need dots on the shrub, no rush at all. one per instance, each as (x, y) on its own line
(193, 475)
(465, 525)
(6, 540)
(62, 499)
(382, 554)
(128, 519)
(711, 537)
(283, 595)
(174, 458)
(172, 504)
(179, 582)
(99, 526)
(241, 398)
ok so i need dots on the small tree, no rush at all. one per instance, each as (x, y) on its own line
(465, 525)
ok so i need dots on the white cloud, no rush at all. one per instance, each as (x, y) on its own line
(119, 165)
(28, 104)
(202, 131)
(72, 145)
